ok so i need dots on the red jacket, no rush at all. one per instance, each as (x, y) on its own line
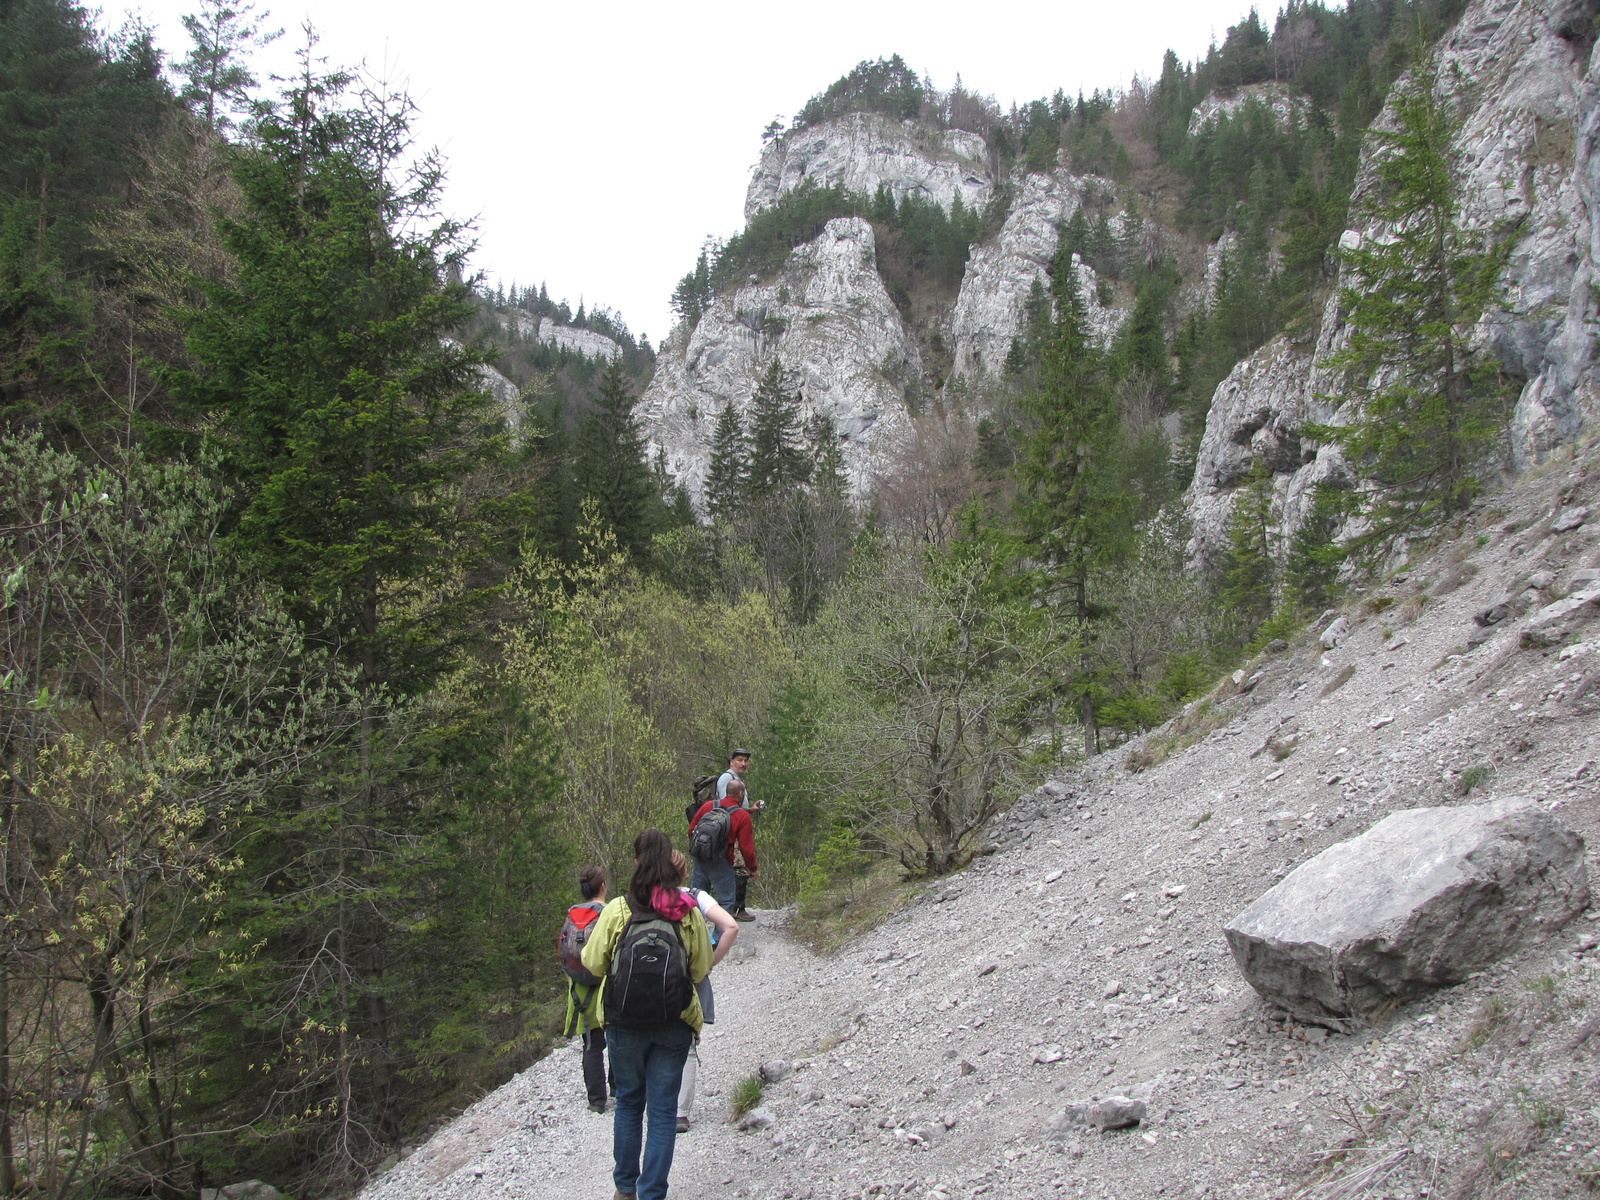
(741, 831)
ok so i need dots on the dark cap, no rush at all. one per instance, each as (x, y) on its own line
(738, 752)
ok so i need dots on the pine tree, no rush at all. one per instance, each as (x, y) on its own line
(828, 477)
(726, 475)
(611, 468)
(777, 458)
(216, 77)
(1425, 413)
(1073, 508)
(1251, 569)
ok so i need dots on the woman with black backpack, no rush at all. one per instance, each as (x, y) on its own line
(651, 946)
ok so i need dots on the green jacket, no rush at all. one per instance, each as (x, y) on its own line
(602, 944)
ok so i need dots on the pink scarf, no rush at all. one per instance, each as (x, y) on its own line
(671, 903)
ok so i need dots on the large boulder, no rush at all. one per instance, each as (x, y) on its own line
(1419, 901)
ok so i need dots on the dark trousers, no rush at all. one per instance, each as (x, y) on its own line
(594, 1067)
(741, 882)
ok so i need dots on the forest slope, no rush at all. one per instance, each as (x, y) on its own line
(1084, 957)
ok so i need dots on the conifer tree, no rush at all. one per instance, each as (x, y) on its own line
(828, 477)
(726, 475)
(1251, 569)
(216, 76)
(1073, 507)
(611, 467)
(777, 458)
(1425, 413)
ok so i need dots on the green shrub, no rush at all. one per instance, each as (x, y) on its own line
(746, 1095)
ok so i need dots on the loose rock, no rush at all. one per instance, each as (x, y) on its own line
(1419, 901)
(1115, 1112)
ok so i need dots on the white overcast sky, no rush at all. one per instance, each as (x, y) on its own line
(596, 146)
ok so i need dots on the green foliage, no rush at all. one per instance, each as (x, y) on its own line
(727, 474)
(610, 470)
(796, 218)
(778, 461)
(216, 71)
(1250, 572)
(885, 86)
(1425, 409)
(839, 855)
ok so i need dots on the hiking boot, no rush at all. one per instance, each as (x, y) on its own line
(597, 1108)
(683, 1124)
(743, 914)
(622, 1196)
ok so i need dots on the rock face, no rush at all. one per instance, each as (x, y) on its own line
(1417, 902)
(827, 319)
(1529, 151)
(991, 307)
(862, 150)
(1279, 100)
(565, 337)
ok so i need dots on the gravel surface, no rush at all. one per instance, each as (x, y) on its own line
(960, 1049)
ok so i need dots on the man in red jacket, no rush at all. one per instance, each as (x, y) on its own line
(717, 876)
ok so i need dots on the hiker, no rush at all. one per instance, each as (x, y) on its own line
(723, 933)
(727, 824)
(738, 764)
(583, 989)
(651, 946)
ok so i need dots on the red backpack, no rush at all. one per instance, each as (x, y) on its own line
(574, 933)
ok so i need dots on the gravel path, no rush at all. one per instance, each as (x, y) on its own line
(1083, 958)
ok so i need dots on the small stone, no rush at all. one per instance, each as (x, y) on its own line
(1278, 774)
(857, 1101)
(1113, 988)
(775, 1070)
(1379, 722)
(967, 1068)
(1232, 1084)
(762, 1117)
(1335, 633)
(1053, 876)
(1115, 1112)
(1238, 678)
(987, 969)
(1541, 580)
(1173, 890)
(1276, 646)
(1050, 1054)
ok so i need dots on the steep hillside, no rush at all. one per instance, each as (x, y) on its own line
(1083, 957)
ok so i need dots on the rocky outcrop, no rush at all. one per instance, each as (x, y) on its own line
(1419, 901)
(862, 150)
(1529, 155)
(564, 337)
(1277, 98)
(991, 308)
(507, 396)
(827, 319)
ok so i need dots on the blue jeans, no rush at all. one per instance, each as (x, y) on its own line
(647, 1065)
(717, 878)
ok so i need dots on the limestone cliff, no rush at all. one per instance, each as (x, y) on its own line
(827, 319)
(863, 150)
(1529, 150)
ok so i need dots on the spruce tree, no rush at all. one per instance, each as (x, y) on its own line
(1251, 569)
(725, 477)
(828, 476)
(1073, 508)
(611, 467)
(777, 457)
(1424, 411)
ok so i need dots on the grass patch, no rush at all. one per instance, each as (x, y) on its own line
(1472, 779)
(1378, 604)
(745, 1096)
(1345, 675)
(1455, 577)
(1282, 750)
(1186, 729)
(1200, 820)
(1412, 608)
(830, 916)
(1484, 1025)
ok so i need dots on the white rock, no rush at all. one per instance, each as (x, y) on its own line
(862, 150)
(828, 320)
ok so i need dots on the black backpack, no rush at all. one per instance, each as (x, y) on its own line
(708, 841)
(575, 933)
(648, 985)
(704, 788)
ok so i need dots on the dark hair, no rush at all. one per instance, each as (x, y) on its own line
(736, 787)
(652, 868)
(591, 882)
